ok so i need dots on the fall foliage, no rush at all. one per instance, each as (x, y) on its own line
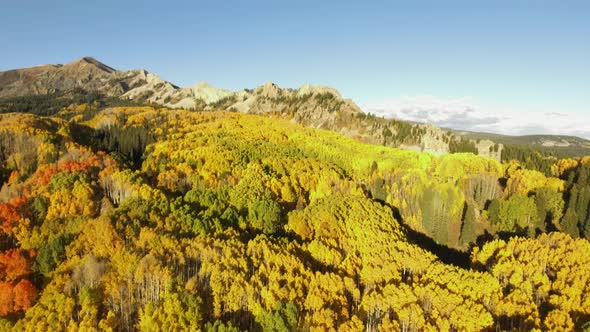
(137, 218)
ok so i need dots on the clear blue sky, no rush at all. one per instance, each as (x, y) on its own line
(525, 54)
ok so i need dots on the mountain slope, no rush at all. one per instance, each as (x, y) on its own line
(86, 72)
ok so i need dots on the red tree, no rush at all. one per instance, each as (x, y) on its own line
(25, 294)
(13, 264)
(8, 217)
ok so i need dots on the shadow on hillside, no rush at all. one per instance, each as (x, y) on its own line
(244, 319)
(445, 254)
(83, 135)
(127, 142)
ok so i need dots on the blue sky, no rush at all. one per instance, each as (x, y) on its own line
(515, 56)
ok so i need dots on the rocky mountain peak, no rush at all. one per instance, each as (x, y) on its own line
(269, 90)
(89, 64)
(311, 89)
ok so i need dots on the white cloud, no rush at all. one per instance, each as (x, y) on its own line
(465, 114)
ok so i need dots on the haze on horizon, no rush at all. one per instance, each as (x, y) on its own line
(511, 67)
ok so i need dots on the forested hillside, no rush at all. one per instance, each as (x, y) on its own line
(135, 218)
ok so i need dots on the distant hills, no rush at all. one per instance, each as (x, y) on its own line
(47, 89)
(558, 145)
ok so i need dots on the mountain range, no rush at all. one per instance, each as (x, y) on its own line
(314, 106)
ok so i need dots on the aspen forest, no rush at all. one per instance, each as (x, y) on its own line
(141, 218)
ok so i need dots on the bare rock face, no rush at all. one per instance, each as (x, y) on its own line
(268, 90)
(433, 140)
(310, 89)
(150, 87)
(489, 149)
(209, 94)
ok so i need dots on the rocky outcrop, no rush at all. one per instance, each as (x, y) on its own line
(208, 94)
(489, 149)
